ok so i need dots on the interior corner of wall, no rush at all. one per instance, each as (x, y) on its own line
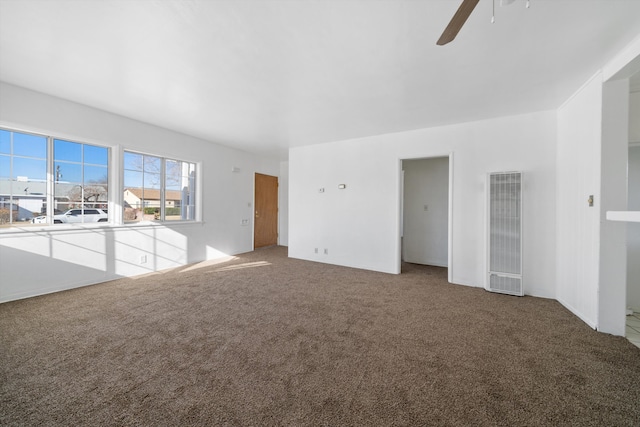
(597, 77)
(592, 324)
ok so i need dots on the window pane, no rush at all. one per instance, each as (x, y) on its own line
(95, 195)
(26, 170)
(68, 195)
(5, 210)
(65, 150)
(132, 195)
(23, 174)
(26, 208)
(80, 186)
(5, 190)
(173, 175)
(152, 180)
(132, 179)
(132, 161)
(152, 164)
(5, 168)
(96, 175)
(29, 145)
(142, 189)
(173, 203)
(179, 194)
(96, 155)
(68, 172)
(5, 141)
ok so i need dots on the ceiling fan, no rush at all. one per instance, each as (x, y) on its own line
(461, 16)
(457, 21)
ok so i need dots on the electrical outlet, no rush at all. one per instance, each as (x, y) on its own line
(244, 222)
(143, 259)
(315, 250)
(326, 251)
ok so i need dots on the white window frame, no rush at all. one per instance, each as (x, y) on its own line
(50, 177)
(115, 168)
(196, 194)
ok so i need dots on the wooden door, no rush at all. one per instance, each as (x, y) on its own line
(266, 211)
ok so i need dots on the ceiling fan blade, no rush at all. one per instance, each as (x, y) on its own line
(457, 21)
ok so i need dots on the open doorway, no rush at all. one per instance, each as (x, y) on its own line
(426, 212)
(632, 330)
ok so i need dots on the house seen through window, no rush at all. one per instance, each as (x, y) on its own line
(158, 189)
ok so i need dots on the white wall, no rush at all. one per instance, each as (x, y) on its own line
(360, 225)
(578, 225)
(633, 229)
(426, 183)
(612, 287)
(634, 117)
(283, 205)
(593, 132)
(47, 259)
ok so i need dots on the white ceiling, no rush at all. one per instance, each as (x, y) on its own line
(267, 75)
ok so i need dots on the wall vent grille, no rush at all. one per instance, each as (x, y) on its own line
(505, 233)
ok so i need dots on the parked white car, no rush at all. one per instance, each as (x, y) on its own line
(39, 220)
(75, 215)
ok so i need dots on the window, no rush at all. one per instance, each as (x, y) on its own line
(74, 176)
(81, 178)
(158, 189)
(23, 177)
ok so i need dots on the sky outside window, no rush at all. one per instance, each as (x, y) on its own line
(29, 156)
(5, 166)
(5, 142)
(29, 145)
(70, 158)
(96, 155)
(67, 151)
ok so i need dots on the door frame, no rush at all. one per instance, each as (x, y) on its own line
(450, 230)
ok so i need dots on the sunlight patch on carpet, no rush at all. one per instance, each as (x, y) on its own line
(241, 266)
(209, 263)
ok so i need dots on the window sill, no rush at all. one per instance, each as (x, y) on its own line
(156, 224)
(54, 228)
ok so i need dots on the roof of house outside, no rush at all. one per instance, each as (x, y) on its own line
(39, 188)
(154, 194)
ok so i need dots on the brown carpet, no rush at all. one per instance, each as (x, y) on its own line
(267, 340)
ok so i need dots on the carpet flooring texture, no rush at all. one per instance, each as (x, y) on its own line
(262, 339)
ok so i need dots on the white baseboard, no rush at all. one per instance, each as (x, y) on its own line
(592, 324)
